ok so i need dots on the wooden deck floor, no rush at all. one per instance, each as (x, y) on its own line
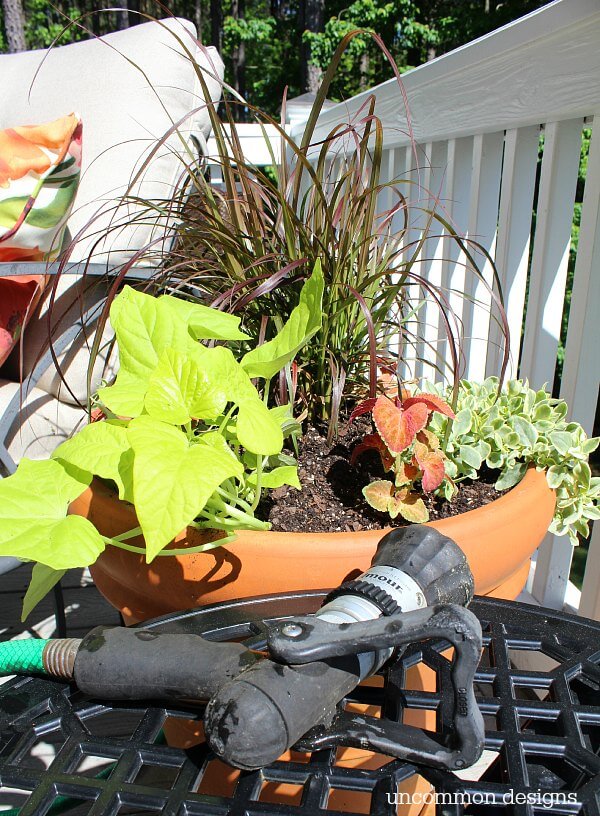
(85, 607)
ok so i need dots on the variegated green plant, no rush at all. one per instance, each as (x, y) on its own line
(515, 429)
(187, 437)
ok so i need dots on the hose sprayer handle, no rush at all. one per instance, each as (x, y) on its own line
(320, 640)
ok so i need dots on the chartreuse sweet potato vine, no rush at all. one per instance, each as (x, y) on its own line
(507, 431)
(197, 447)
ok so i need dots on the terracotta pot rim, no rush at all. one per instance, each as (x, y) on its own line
(530, 480)
(498, 539)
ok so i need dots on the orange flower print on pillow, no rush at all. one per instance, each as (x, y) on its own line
(39, 176)
(20, 147)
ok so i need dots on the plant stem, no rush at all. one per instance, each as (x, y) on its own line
(259, 467)
(226, 418)
(136, 531)
(238, 499)
(235, 514)
(181, 551)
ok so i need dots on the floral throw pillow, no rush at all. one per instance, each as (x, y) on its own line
(39, 175)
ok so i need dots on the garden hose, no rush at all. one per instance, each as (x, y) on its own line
(35, 656)
(260, 704)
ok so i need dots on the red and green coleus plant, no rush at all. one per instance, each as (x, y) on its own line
(408, 449)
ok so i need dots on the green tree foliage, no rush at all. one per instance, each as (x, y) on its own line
(415, 31)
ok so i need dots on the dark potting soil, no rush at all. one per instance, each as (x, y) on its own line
(331, 498)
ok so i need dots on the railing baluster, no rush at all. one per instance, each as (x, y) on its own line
(458, 180)
(552, 569)
(581, 369)
(483, 221)
(512, 246)
(395, 173)
(560, 165)
(430, 266)
(411, 328)
(590, 592)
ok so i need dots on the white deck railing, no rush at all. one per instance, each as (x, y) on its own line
(477, 114)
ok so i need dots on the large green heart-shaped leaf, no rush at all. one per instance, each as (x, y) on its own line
(257, 429)
(144, 327)
(102, 448)
(203, 322)
(220, 366)
(43, 578)
(34, 524)
(180, 390)
(284, 475)
(125, 397)
(172, 480)
(304, 321)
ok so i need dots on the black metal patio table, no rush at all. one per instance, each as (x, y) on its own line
(542, 733)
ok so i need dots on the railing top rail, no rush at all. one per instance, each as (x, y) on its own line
(543, 67)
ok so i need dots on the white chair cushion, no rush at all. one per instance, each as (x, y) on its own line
(77, 307)
(40, 426)
(126, 107)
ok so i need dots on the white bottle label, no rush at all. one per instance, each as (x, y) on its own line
(398, 585)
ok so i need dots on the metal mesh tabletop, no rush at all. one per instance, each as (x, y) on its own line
(542, 733)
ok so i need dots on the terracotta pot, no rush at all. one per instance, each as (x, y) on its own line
(498, 540)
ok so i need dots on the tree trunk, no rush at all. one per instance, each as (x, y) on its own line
(123, 15)
(238, 57)
(312, 18)
(364, 70)
(134, 18)
(14, 25)
(216, 24)
(198, 18)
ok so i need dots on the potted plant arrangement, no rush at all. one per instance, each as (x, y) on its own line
(320, 279)
(183, 472)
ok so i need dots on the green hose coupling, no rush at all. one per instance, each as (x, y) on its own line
(35, 656)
